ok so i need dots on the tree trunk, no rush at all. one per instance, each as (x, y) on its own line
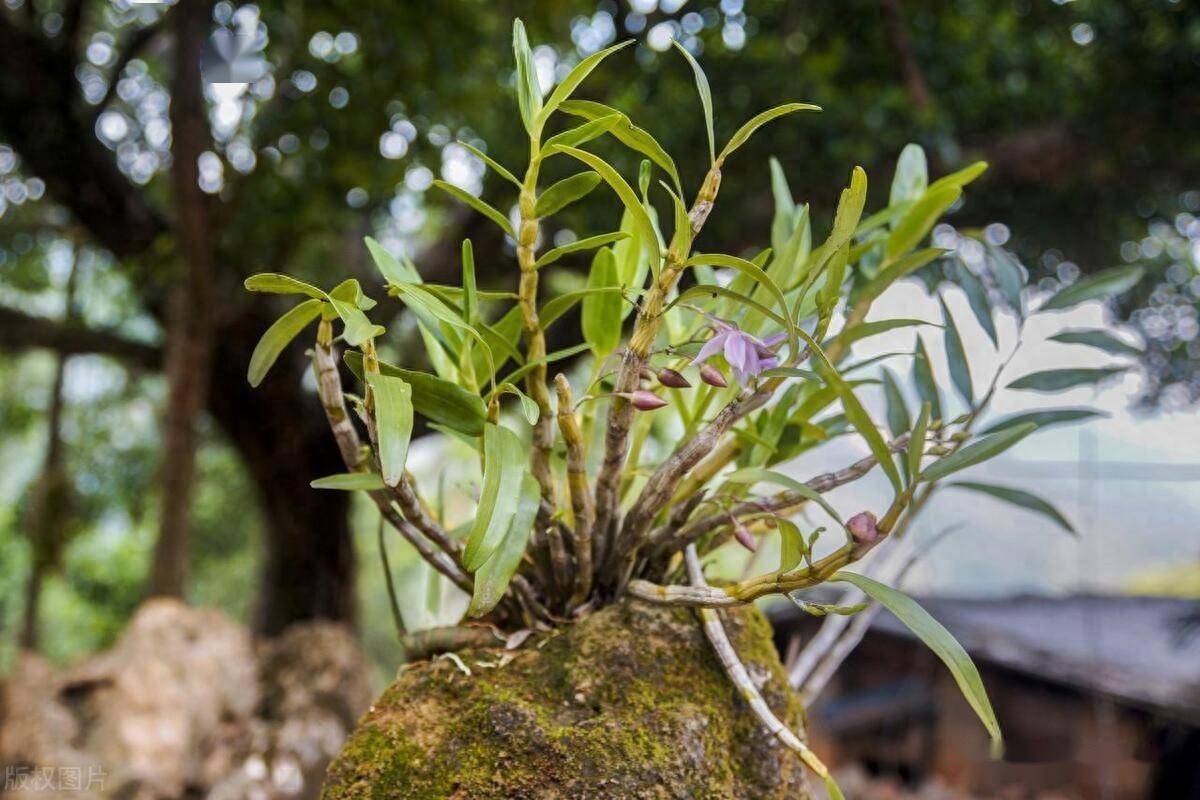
(189, 315)
(630, 702)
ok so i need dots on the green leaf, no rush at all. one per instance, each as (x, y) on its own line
(712, 290)
(529, 409)
(358, 328)
(493, 577)
(389, 266)
(275, 283)
(1094, 287)
(1044, 419)
(977, 297)
(956, 356)
(922, 370)
(1019, 497)
(529, 93)
(627, 133)
(898, 418)
(792, 545)
(937, 639)
(394, 420)
(591, 242)
(557, 355)
(705, 98)
(1010, 277)
(477, 204)
(581, 134)
(1056, 380)
(916, 442)
(600, 319)
(977, 451)
(418, 297)
(912, 175)
(861, 420)
(753, 475)
(865, 330)
(757, 121)
(277, 337)
(916, 223)
(1101, 340)
(785, 207)
(960, 178)
(470, 292)
(350, 482)
(503, 469)
(565, 192)
(641, 220)
(495, 165)
(575, 77)
(440, 401)
(896, 270)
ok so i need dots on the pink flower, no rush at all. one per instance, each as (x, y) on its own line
(748, 355)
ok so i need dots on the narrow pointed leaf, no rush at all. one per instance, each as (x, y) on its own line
(591, 242)
(495, 165)
(529, 409)
(277, 337)
(633, 204)
(576, 76)
(503, 470)
(1045, 419)
(600, 319)
(862, 422)
(912, 175)
(897, 410)
(394, 420)
(493, 577)
(529, 93)
(937, 639)
(477, 204)
(1095, 287)
(1019, 497)
(627, 133)
(977, 452)
(705, 97)
(956, 356)
(917, 222)
(757, 121)
(785, 206)
(565, 192)
(581, 134)
(275, 283)
(350, 482)
(916, 442)
(792, 545)
(927, 388)
(1057, 380)
(1101, 340)
(358, 328)
(960, 178)
(977, 297)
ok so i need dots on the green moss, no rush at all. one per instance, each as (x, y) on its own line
(629, 703)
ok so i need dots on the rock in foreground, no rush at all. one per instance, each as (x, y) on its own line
(629, 703)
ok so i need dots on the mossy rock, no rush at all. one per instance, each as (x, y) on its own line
(629, 703)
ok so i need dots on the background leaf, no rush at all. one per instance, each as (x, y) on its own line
(1095, 287)
(493, 577)
(1019, 497)
(1056, 380)
(956, 356)
(600, 317)
(1045, 418)
(350, 482)
(565, 192)
(705, 97)
(1101, 340)
(977, 451)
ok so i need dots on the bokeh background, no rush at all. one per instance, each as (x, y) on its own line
(135, 198)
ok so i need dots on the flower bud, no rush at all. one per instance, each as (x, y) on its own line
(862, 528)
(673, 379)
(712, 376)
(744, 536)
(645, 401)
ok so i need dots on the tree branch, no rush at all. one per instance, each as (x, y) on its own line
(21, 332)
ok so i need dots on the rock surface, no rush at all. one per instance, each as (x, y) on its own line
(185, 704)
(629, 703)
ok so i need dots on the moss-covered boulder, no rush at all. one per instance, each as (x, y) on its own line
(629, 703)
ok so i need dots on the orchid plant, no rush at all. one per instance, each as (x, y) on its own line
(741, 362)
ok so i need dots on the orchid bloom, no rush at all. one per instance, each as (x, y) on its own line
(747, 354)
